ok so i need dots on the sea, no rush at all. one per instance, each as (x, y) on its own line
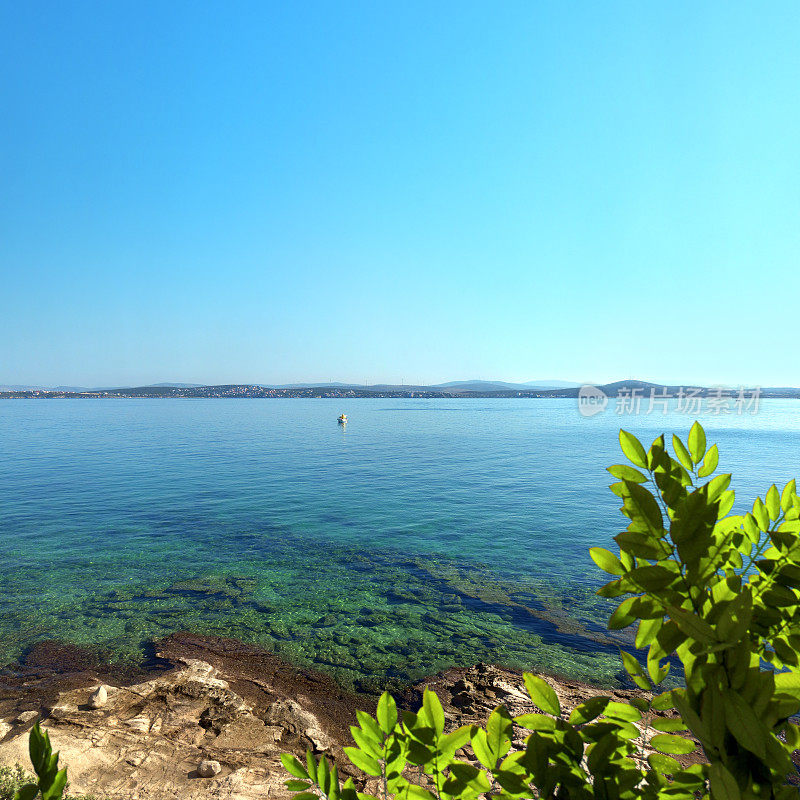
(422, 535)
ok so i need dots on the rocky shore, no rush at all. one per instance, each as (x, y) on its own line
(211, 716)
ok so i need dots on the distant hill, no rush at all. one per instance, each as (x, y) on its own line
(552, 384)
(480, 386)
(452, 389)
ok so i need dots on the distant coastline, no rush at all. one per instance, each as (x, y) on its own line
(466, 390)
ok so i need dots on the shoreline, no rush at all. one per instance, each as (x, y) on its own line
(206, 697)
(50, 667)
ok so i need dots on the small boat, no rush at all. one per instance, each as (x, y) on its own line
(343, 419)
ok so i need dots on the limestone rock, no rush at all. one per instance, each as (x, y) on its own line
(26, 716)
(208, 769)
(141, 724)
(99, 697)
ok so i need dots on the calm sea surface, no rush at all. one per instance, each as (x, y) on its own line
(426, 534)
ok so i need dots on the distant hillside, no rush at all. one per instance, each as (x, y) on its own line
(552, 384)
(480, 386)
(453, 390)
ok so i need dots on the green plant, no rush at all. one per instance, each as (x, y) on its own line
(50, 781)
(720, 591)
(11, 779)
(717, 590)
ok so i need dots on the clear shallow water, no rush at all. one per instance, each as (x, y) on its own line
(428, 533)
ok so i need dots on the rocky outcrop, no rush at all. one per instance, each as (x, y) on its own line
(214, 720)
(190, 731)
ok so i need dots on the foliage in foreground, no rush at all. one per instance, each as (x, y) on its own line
(718, 591)
(50, 781)
(14, 778)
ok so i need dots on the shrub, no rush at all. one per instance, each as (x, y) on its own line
(49, 783)
(718, 591)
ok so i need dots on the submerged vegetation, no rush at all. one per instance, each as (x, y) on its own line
(719, 591)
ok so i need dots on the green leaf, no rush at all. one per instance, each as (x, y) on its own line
(692, 625)
(663, 701)
(746, 727)
(723, 785)
(297, 786)
(624, 472)
(387, 713)
(498, 731)
(480, 747)
(652, 577)
(536, 722)
(311, 764)
(640, 545)
(622, 616)
(716, 486)
(642, 509)
(27, 792)
(668, 724)
(760, 514)
(640, 703)
(634, 669)
(786, 495)
(323, 774)
(647, 631)
(464, 777)
(601, 752)
(682, 453)
(38, 748)
(606, 560)
(788, 683)
(665, 765)
(773, 502)
(674, 745)
(293, 766)
(513, 783)
(587, 711)
(414, 792)
(456, 739)
(369, 726)
(542, 694)
(633, 449)
(697, 442)
(365, 742)
(709, 462)
(56, 789)
(364, 762)
(431, 704)
(622, 711)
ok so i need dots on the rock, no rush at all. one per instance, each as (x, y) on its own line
(141, 724)
(208, 769)
(289, 715)
(99, 697)
(463, 700)
(26, 716)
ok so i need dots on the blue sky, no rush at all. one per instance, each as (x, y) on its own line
(276, 192)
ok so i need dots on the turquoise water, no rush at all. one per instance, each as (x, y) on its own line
(426, 534)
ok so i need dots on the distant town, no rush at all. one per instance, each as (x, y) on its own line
(454, 390)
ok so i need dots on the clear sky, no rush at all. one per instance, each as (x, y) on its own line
(278, 192)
